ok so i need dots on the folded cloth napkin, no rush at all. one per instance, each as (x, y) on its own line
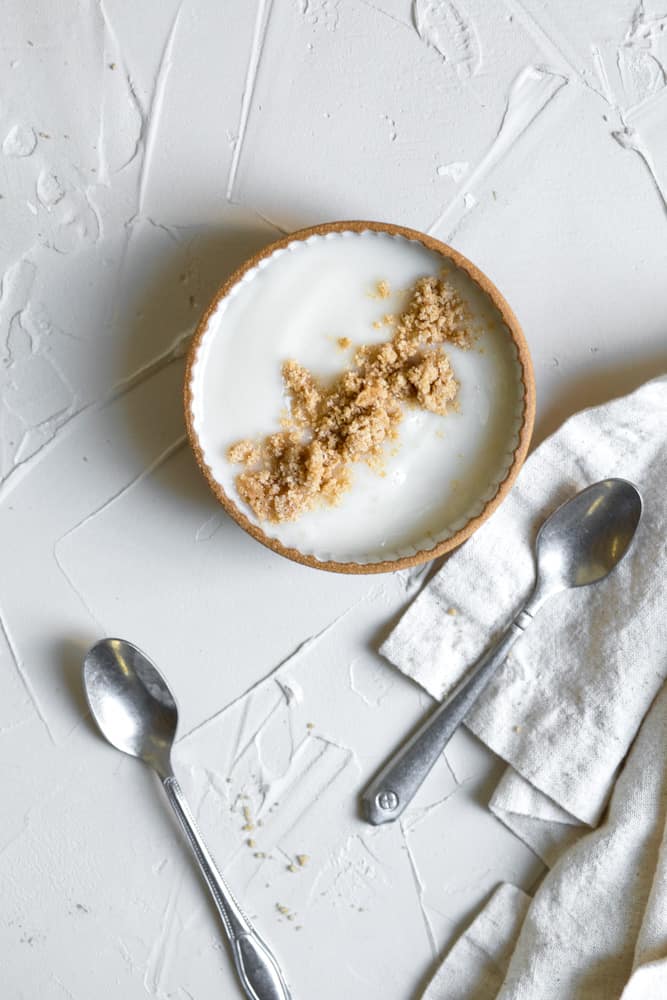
(566, 706)
(597, 927)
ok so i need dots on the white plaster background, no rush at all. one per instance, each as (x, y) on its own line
(145, 150)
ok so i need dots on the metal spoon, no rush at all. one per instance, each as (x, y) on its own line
(137, 714)
(580, 543)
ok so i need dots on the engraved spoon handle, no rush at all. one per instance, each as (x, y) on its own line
(395, 786)
(257, 969)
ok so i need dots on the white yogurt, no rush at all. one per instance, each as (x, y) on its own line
(296, 304)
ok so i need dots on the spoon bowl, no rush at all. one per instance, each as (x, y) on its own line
(130, 702)
(584, 538)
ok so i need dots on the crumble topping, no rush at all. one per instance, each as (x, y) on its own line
(330, 428)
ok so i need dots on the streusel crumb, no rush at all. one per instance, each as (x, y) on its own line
(330, 428)
(244, 453)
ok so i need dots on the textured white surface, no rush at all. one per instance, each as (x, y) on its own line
(146, 150)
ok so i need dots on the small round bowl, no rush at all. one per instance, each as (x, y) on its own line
(483, 445)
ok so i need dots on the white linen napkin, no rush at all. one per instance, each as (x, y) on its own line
(564, 708)
(477, 964)
(597, 927)
(563, 712)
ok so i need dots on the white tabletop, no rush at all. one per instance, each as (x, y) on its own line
(147, 149)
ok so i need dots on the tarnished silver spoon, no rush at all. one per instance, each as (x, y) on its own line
(137, 714)
(580, 543)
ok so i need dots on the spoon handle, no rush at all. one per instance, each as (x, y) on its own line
(257, 969)
(395, 786)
